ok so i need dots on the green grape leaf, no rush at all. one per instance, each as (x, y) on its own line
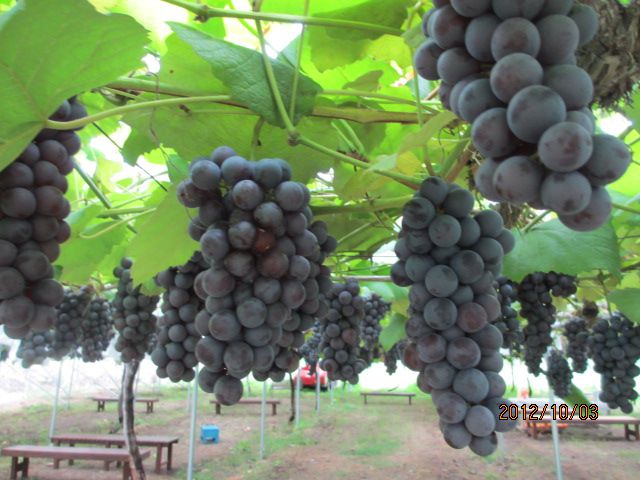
(576, 397)
(628, 302)
(552, 246)
(394, 332)
(161, 241)
(50, 51)
(242, 71)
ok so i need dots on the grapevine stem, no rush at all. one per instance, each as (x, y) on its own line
(535, 221)
(81, 122)
(273, 85)
(296, 69)
(363, 94)
(359, 115)
(362, 207)
(205, 12)
(92, 186)
(124, 211)
(626, 209)
(371, 278)
(410, 182)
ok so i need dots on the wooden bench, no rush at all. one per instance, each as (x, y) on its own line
(25, 452)
(157, 441)
(387, 394)
(102, 400)
(533, 425)
(274, 404)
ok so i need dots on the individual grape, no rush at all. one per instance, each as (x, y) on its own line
(291, 196)
(463, 353)
(426, 60)
(205, 174)
(518, 179)
(455, 64)
(17, 203)
(471, 317)
(583, 119)
(235, 169)
(441, 281)
(417, 266)
(471, 8)
(559, 36)
(566, 193)
(533, 110)
(515, 35)
(458, 203)
(456, 435)
(572, 83)
(514, 72)
(448, 27)
(586, 20)
(476, 98)
(228, 390)
(491, 134)
(418, 213)
(472, 385)
(480, 421)
(565, 147)
(456, 91)
(247, 194)
(268, 173)
(594, 215)
(468, 266)
(477, 37)
(451, 407)
(483, 179)
(444, 231)
(517, 8)
(418, 241)
(431, 348)
(609, 161)
(470, 232)
(556, 7)
(16, 175)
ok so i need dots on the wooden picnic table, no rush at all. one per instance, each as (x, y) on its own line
(387, 394)
(274, 404)
(25, 452)
(102, 400)
(628, 422)
(159, 442)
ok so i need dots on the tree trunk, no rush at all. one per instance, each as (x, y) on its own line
(137, 468)
(118, 426)
(611, 58)
(292, 417)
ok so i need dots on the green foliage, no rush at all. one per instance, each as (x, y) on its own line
(40, 67)
(394, 332)
(628, 302)
(552, 246)
(242, 71)
(160, 241)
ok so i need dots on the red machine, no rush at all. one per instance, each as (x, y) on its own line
(308, 379)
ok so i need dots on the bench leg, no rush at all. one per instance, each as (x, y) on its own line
(126, 471)
(15, 464)
(159, 459)
(409, 400)
(71, 460)
(535, 430)
(628, 432)
(218, 408)
(365, 399)
(273, 408)
(169, 456)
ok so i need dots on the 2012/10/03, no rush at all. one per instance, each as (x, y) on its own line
(560, 411)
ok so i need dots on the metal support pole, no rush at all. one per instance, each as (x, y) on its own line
(263, 414)
(189, 388)
(317, 389)
(192, 433)
(331, 391)
(298, 382)
(73, 370)
(555, 436)
(54, 414)
(248, 386)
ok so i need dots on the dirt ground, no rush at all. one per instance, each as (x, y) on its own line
(386, 439)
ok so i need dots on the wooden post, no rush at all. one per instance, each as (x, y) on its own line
(137, 467)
